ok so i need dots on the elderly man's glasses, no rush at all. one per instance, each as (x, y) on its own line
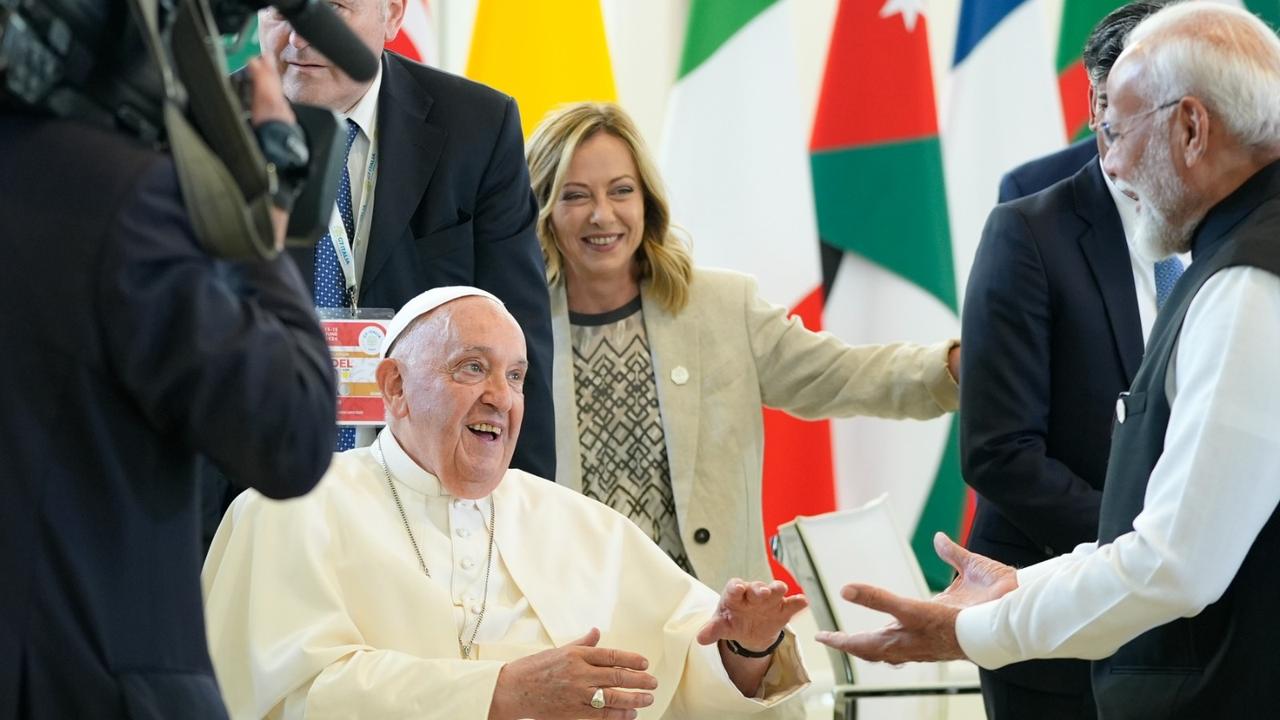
(1114, 136)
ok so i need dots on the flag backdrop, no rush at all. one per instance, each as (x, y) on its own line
(755, 175)
(734, 160)
(541, 53)
(1003, 109)
(418, 38)
(882, 216)
(1078, 19)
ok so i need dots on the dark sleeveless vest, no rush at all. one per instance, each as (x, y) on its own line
(1225, 661)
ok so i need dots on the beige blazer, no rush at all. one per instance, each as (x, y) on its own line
(716, 363)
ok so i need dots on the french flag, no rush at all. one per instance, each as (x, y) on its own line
(1001, 109)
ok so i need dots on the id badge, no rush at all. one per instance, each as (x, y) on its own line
(355, 338)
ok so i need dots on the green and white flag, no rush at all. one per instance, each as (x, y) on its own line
(735, 159)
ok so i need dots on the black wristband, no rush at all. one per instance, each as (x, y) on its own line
(737, 649)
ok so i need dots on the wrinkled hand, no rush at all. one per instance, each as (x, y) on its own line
(558, 684)
(924, 630)
(268, 103)
(751, 614)
(978, 578)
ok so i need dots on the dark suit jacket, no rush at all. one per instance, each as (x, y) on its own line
(1035, 175)
(1051, 336)
(127, 352)
(453, 206)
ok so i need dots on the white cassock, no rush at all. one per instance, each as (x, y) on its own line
(318, 606)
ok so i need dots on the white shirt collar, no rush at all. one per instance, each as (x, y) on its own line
(365, 112)
(404, 469)
(407, 472)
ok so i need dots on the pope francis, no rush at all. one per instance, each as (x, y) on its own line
(423, 578)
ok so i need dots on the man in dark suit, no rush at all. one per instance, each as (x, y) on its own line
(1175, 601)
(1033, 176)
(1055, 318)
(128, 350)
(452, 204)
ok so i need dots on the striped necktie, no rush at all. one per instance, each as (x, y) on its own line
(1167, 273)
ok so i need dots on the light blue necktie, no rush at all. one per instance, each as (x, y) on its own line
(330, 286)
(1167, 273)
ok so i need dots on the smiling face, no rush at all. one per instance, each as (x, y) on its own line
(309, 77)
(598, 217)
(454, 391)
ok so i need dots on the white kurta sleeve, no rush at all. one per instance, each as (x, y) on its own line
(286, 643)
(816, 375)
(1210, 493)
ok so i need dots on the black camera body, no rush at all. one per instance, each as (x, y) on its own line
(155, 69)
(82, 59)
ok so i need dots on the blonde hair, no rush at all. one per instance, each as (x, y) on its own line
(663, 258)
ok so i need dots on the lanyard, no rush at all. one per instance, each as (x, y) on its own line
(342, 245)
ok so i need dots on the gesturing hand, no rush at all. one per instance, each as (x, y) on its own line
(558, 684)
(924, 630)
(978, 578)
(751, 613)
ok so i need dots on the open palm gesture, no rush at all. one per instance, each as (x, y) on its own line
(751, 614)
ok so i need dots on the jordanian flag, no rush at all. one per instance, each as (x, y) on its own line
(882, 216)
(736, 164)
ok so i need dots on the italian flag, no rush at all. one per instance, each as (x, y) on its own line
(881, 203)
(735, 161)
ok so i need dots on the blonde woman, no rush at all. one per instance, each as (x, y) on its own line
(661, 368)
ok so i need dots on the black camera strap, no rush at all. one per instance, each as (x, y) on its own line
(226, 185)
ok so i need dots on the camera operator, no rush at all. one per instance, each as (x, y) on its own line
(127, 351)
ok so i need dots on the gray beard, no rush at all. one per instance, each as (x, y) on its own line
(1155, 237)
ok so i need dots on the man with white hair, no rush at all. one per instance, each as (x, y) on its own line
(424, 578)
(435, 192)
(1176, 600)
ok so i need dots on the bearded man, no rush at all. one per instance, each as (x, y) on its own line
(424, 578)
(1176, 600)
(1057, 311)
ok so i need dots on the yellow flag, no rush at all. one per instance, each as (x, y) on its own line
(542, 53)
